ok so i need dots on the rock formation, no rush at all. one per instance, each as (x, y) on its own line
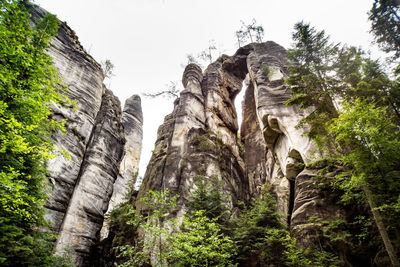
(288, 147)
(200, 137)
(97, 137)
(132, 120)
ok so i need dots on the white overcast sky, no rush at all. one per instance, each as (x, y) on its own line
(148, 40)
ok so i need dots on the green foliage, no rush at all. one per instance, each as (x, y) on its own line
(368, 144)
(248, 31)
(309, 82)
(266, 69)
(311, 47)
(28, 85)
(334, 238)
(198, 243)
(325, 72)
(203, 142)
(262, 238)
(108, 68)
(207, 197)
(201, 243)
(156, 228)
(124, 223)
(385, 19)
(362, 137)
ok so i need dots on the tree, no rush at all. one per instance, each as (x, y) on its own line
(385, 18)
(200, 242)
(262, 239)
(28, 85)
(368, 144)
(108, 68)
(311, 81)
(354, 136)
(207, 197)
(325, 73)
(155, 226)
(241, 37)
(206, 55)
(191, 59)
(248, 31)
(171, 92)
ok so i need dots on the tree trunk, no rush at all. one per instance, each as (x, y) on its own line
(251, 37)
(381, 227)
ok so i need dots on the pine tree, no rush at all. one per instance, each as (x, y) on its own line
(385, 18)
(361, 137)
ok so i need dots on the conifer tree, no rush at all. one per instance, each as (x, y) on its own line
(385, 18)
(326, 78)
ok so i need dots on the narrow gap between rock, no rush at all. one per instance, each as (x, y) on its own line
(291, 201)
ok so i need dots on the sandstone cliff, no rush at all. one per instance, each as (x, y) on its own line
(103, 144)
(200, 137)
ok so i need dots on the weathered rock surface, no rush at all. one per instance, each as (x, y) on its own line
(200, 137)
(132, 120)
(288, 146)
(96, 131)
(84, 78)
(255, 156)
(92, 192)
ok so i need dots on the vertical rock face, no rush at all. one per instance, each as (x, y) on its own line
(172, 152)
(92, 192)
(200, 137)
(132, 120)
(288, 146)
(82, 185)
(84, 78)
(255, 156)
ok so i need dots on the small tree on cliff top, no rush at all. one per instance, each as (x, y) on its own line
(251, 31)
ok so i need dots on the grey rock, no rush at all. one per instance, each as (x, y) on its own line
(200, 137)
(132, 120)
(255, 149)
(83, 77)
(289, 148)
(92, 192)
(81, 187)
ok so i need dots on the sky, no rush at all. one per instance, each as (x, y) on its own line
(148, 40)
